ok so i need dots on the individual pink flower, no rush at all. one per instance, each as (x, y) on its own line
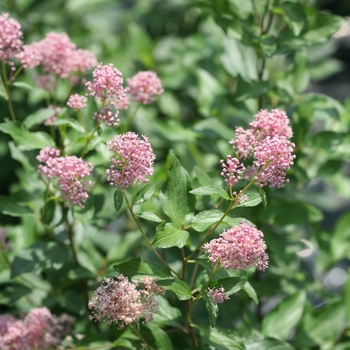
(240, 247)
(72, 175)
(10, 38)
(144, 87)
(76, 101)
(231, 170)
(120, 302)
(132, 161)
(272, 158)
(218, 295)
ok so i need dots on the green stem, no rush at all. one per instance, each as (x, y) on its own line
(129, 119)
(5, 85)
(145, 237)
(88, 139)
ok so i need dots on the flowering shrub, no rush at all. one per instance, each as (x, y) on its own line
(139, 200)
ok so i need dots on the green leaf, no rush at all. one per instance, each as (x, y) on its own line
(230, 284)
(346, 295)
(294, 16)
(266, 344)
(203, 178)
(263, 196)
(208, 190)
(180, 288)
(48, 212)
(212, 309)
(221, 339)
(206, 218)
(25, 139)
(253, 200)
(267, 44)
(149, 216)
(280, 321)
(22, 85)
(71, 122)
(24, 262)
(10, 207)
(176, 201)
(167, 236)
(118, 199)
(137, 267)
(162, 339)
(144, 193)
(167, 314)
(248, 288)
(239, 59)
(38, 117)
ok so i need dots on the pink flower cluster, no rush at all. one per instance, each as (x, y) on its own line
(232, 170)
(10, 38)
(218, 295)
(120, 302)
(71, 173)
(132, 162)
(39, 330)
(107, 87)
(144, 87)
(76, 101)
(267, 141)
(240, 247)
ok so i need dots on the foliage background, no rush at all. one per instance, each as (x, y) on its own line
(216, 72)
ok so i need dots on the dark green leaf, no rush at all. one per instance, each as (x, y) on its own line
(212, 309)
(294, 16)
(167, 236)
(230, 284)
(10, 207)
(263, 196)
(137, 267)
(180, 288)
(48, 212)
(167, 314)
(208, 190)
(144, 193)
(118, 199)
(162, 339)
(24, 262)
(280, 321)
(267, 44)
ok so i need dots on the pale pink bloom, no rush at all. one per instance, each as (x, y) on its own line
(231, 170)
(120, 302)
(71, 173)
(12, 334)
(76, 101)
(266, 124)
(133, 160)
(144, 87)
(122, 103)
(240, 247)
(10, 38)
(46, 153)
(218, 295)
(272, 158)
(31, 55)
(82, 60)
(107, 84)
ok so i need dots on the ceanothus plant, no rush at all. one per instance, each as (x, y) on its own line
(128, 242)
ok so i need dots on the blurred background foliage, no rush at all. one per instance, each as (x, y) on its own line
(219, 61)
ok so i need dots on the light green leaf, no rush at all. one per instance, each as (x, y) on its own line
(22, 85)
(294, 16)
(167, 236)
(144, 193)
(149, 216)
(221, 339)
(180, 288)
(248, 288)
(206, 218)
(253, 200)
(38, 117)
(280, 321)
(203, 178)
(230, 284)
(175, 200)
(71, 122)
(266, 344)
(208, 190)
